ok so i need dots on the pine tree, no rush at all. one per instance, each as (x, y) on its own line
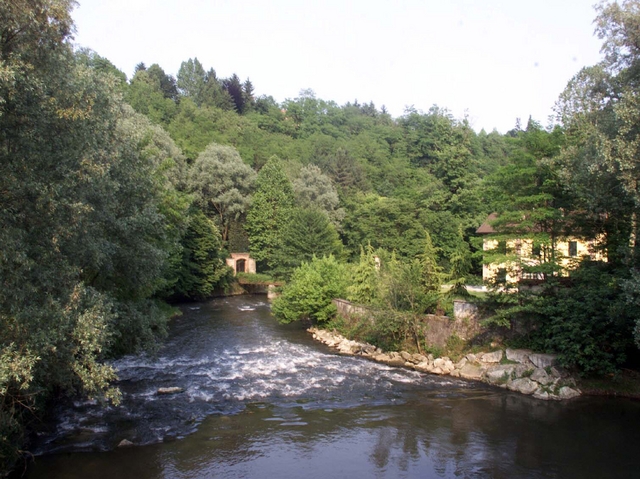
(269, 212)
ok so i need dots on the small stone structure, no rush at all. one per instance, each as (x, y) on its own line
(241, 263)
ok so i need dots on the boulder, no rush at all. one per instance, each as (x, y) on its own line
(424, 366)
(494, 357)
(471, 358)
(439, 363)
(418, 358)
(437, 370)
(518, 355)
(500, 374)
(171, 390)
(448, 366)
(460, 364)
(543, 360)
(397, 361)
(406, 356)
(541, 376)
(125, 443)
(455, 373)
(541, 394)
(523, 385)
(470, 371)
(566, 392)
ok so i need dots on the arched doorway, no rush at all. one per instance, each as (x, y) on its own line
(240, 265)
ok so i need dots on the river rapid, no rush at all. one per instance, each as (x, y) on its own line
(262, 400)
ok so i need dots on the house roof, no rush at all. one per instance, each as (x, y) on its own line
(486, 228)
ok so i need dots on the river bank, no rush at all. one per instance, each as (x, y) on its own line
(517, 370)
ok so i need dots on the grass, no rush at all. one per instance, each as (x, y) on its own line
(254, 278)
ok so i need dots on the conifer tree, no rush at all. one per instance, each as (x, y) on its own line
(271, 204)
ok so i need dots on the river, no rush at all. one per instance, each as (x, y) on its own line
(262, 400)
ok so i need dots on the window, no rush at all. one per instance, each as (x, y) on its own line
(502, 247)
(501, 275)
(536, 250)
(573, 248)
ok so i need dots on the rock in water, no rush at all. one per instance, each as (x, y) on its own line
(172, 390)
(125, 443)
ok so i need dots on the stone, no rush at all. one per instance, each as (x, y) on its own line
(397, 362)
(460, 364)
(406, 356)
(455, 373)
(424, 366)
(541, 394)
(523, 385)
(555, 372)
(543, 360)
(470, 371)
(125, 443)
(494, 357)
(448, 366)
(437, 370)
(471, 358)
(409, 365)
(171, 390)
(383, 358)
(566, 392)
(438, 363)
(518, 355)
(541, 376)
(418, 358)
(500, 374)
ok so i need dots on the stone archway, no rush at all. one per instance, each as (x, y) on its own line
(241, 263)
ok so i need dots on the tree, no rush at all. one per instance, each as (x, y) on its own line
(307, 233)
(221, 184)
(202, 269)
(147, 96)
(430, 274)
(271, 204)
(82, 229)
(165, 83)
(529, 196)
(460, 262)
(309, 293)
(191, 80)
(313, 189)
(364, 287)
(234, 88)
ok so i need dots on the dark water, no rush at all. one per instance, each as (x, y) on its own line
(264, 401)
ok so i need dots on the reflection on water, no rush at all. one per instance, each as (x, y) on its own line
(262, 400)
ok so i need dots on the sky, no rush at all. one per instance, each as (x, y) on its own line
(491, 61)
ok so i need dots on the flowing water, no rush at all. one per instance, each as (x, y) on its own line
(262, 400)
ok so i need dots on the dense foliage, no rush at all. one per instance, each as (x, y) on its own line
(117, 194)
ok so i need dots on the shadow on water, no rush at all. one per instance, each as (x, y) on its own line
(262, 400)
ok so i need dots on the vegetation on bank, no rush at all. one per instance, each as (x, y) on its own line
(119, 194)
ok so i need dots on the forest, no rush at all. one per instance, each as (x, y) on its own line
(121, 196)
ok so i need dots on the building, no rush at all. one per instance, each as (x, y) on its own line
(241, 263)
(519, 253)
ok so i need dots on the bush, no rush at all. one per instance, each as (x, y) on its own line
(309, 293)
(587, 320)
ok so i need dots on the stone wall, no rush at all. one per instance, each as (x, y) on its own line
(347, 309)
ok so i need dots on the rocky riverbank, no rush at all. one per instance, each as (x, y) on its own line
(518, 370)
